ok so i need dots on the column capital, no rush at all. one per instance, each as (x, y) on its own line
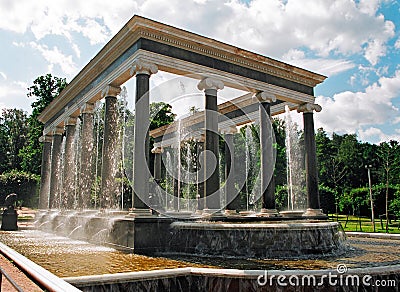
(58, 130)
(265, 96)
(229, 130)
(46, 138)
(157, 150)
(142, 67)
(70, 121)
(309, 108)
(110, 90)
(210, 83)
(87, 108)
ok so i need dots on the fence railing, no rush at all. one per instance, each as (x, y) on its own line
(9, 279)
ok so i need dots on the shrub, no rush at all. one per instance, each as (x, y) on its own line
(25, 185)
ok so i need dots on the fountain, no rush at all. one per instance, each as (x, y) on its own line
(207, 231)
(295, 169)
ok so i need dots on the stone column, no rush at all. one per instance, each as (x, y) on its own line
(267, 155)
(109, 167)
(232, 198)
(68, 196)
(157, 151)
(313, 205)
(200, 175)
(45, 172)
(54, 197)
(141, 171)
(87, 171)
(211, 149)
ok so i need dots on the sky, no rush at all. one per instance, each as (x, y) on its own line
(356, 44)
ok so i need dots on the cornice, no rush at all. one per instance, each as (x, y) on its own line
(139, 27)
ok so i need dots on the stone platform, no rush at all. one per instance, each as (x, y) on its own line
(156, 235)
(257, 239)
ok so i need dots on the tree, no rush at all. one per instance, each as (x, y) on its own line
(13, 135)
(389, 155)
(160, 115)
(45, 89)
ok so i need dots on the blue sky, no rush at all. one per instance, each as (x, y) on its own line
(355, 43)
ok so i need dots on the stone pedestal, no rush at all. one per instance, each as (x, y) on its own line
(9, 220)
(315, 214)
(268, 213)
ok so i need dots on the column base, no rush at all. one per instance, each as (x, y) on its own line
(228, 212)
(314, 214)
(246, 213)
(140, 213)
(179, 214)
(268, 213)
(213, 213)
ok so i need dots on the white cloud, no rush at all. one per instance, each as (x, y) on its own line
(270, 27)
(326, 27)
(368, 6)
(328, 67)
(396, 121)
(55, 57)
(13, 95)
(76, 50)
(397, 44)
(376, 135)
(348, 112)
(2, 74)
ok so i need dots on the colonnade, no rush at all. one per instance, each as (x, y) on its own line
(51, 196)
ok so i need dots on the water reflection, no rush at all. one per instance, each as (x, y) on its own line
(66, 257)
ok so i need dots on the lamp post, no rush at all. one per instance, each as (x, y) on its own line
(368, 167)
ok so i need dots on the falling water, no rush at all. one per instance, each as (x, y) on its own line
(295, 168)
(249, 163)
(77, 156)
(189, 156)
(169, 179)
(179, 163)
(122, 113)
(99, 114)
(60, 174)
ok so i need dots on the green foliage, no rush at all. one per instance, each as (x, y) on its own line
(328, 199)
(13, 137)
(160, 115)
(25, 185)
(44, 90)
(281, 197)
(280, 163)
(394, 206)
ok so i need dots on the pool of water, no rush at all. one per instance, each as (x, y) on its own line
(66, 257)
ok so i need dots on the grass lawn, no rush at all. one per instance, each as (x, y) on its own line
(353, 224)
